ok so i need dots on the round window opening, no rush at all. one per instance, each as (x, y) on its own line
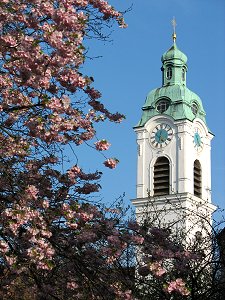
(194, 108)
(162, 105)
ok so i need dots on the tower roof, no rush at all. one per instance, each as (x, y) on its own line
(174, 54)
(173, 98)
(180, 99)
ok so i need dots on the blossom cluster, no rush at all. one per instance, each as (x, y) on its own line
(102, 145)
(177, 286)
(111, 163)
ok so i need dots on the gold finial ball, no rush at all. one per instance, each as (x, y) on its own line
(174, 36)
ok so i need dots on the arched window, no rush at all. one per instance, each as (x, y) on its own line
(194, 108)
(183, 74)
(197, 179)
(161, 176)
(169, 73)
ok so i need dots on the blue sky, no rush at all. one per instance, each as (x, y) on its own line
(130, 67)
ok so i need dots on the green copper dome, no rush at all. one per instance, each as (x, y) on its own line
(174, 54)
(173, 99)
(180, 101)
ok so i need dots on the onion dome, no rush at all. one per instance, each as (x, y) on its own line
(174, 54)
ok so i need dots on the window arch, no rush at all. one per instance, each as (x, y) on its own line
(197, 179)
(169, 73)
(161, 179)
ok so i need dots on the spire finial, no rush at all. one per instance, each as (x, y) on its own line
(174, 24)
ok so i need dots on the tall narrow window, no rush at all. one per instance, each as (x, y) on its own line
(183, 74)
(169, 73)
(197, 179)
(161, 176)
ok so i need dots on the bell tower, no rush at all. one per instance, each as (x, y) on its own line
(174, 145)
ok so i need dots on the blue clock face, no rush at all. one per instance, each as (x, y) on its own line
(197, 140)
(161, 135)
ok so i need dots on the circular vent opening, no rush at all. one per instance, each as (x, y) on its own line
(162, 105)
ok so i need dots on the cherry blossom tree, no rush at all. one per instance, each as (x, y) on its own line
(54, 243)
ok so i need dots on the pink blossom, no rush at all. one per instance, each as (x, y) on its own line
(111, 163)
(11, 260)
(102, 145)
(3, 246)
(179, 286)
(86, 217)
(45, 204)
(157, 269)
(32, 191)
(73, 173)
(73, 225)
(110, 260)
(138, 239)
(72, 285)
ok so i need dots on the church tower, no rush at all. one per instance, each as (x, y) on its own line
(174, 145)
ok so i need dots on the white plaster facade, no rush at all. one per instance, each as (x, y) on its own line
(180, 207)
(181, 153)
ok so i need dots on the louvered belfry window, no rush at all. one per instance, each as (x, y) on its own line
(197, 179)
(161, 176)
